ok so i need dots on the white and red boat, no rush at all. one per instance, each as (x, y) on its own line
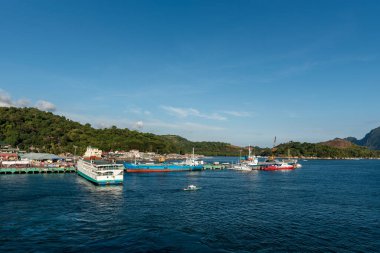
(272, 164)
(279, 166)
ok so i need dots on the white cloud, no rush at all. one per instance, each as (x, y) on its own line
(99, 121)
(154, 126)
(186, 112)
(195, 126)
(138, 111)
(45, 106)
(103, 124)
(181, 126)
(292, 115)
(23, 102)
(238, 113)
(6, 101)
(180, 112)
(139, 125)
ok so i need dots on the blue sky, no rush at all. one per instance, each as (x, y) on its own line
(234, 71)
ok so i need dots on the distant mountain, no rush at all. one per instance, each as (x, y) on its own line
(338, 143)
(351, 139)
(370, 140)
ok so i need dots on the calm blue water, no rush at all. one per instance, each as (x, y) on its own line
(325, 206)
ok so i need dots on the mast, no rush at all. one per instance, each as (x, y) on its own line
(273, 149)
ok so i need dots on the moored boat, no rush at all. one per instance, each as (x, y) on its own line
(160, 167)
(241, 167)
(252, 160)
(190, 164)
(101, 173)
(277, 165)
(271, 164)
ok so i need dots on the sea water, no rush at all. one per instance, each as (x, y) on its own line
(324, 206)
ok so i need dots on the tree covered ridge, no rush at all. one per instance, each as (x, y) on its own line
(321, 150)
(34, 130)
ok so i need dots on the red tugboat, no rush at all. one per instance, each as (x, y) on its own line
(279, 166)
(272, 164)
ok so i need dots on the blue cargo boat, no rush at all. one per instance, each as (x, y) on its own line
(189, 165)
(161, 167)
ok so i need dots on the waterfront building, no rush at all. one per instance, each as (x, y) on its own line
(92, 153)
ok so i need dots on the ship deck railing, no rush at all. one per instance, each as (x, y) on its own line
(36, 170)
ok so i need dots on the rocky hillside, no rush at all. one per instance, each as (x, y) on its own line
(370, 140)
(338, 143)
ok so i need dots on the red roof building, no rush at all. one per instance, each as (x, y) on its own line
(8, 156)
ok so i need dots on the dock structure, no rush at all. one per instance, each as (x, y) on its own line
(36, 170)
(214, 166)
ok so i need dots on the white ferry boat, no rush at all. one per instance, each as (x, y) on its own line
(101, 173)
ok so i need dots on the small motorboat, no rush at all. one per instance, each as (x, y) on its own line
(191, 188)
(241, 167)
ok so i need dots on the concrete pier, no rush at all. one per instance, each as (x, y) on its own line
(36, 170)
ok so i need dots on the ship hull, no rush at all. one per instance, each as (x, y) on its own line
(274, 167)
(100, 182)
(106, 174)
(148, 168)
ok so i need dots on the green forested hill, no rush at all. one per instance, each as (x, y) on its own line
(30, 128)
(324, 150)
(204, 147)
